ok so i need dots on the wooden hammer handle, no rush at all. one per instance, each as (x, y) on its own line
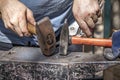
(92, 41)
(31, 28)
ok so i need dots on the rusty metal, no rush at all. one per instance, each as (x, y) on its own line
(46, 36)
(64, 37)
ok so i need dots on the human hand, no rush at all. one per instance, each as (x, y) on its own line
(15, 16)
(86, 13)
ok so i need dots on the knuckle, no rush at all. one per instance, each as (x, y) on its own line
(21, 18)
(8, 25)
(13, 21)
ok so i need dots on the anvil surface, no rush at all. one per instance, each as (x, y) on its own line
(27, 63)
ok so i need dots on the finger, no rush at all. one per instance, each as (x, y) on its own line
(97, 9)
(10, 26)
(84, 27)
(18, 31)
(94, 18)
(98, 13)
(23, 25)
(30, 17)
(14, 22)
(90, 22)
(7, 23)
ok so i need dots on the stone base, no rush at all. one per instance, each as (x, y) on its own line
(23, 63)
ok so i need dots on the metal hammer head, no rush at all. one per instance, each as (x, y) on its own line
(46, 36)
(64, 39)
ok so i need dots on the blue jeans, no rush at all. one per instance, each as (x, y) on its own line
(56, 10)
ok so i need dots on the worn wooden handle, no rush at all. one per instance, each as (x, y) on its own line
(31, 28)
(92, 41)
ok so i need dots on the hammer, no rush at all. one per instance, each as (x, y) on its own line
(45, 35)
(65, 39)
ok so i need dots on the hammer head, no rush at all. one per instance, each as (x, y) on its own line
(46, 36)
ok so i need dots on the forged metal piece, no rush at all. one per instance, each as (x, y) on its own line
(64, 39)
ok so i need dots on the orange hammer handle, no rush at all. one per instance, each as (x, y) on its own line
(92, 41)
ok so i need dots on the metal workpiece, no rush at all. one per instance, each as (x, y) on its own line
(64, 39)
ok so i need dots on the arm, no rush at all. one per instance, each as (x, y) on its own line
(86, 13)
(15, 16)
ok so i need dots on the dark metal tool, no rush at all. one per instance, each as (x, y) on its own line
(45, 35)
(65, 39)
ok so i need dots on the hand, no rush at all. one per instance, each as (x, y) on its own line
(16, 16)
(86, 13)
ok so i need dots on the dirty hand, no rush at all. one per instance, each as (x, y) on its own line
(15, 16)
(86, 13)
